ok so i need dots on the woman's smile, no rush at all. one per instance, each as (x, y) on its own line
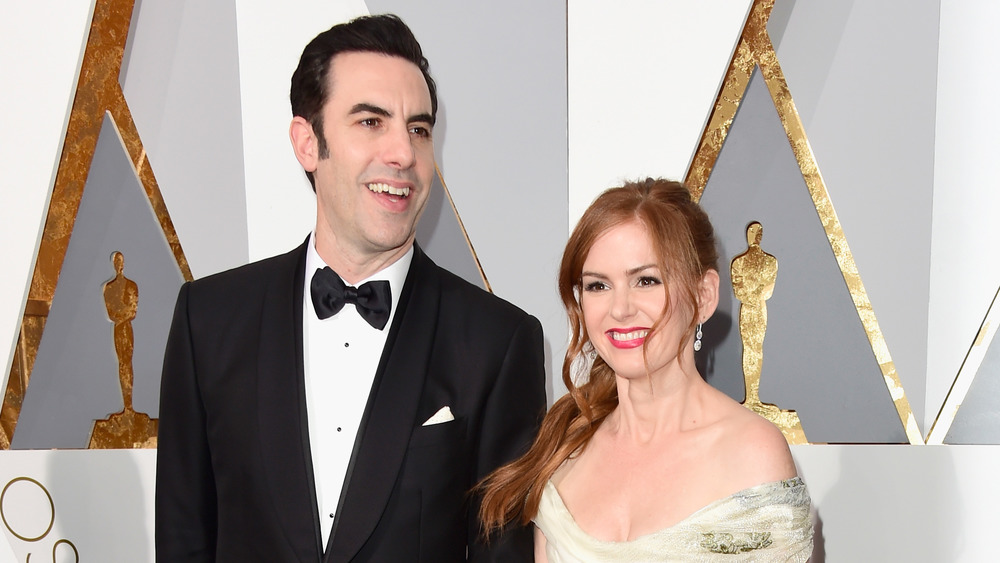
(627, 337)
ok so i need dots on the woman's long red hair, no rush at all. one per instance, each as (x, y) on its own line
(684, 243)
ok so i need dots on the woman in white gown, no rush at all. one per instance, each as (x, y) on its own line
(643, 460)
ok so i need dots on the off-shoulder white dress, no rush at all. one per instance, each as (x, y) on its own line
(769, 522)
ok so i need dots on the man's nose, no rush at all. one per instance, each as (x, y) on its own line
(397, 149)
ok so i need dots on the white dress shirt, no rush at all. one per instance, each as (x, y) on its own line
(340, 354)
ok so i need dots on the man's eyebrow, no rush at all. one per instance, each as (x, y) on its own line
(421, 118)
(369, 108)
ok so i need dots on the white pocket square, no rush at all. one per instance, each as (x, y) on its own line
(443, 415)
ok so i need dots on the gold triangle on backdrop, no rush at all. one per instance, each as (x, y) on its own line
(98, 93)
(755, 50)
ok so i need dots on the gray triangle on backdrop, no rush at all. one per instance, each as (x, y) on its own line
(818, 360)
(74, 380)
(978, 419)
(440, 235)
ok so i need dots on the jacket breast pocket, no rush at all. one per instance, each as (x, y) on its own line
(437, 456)
(439, 467)
(443, 434)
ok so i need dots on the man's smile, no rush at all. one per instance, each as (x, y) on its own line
(380, 188)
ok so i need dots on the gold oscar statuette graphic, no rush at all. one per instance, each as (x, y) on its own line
(755, 50)
(754, 273)
(125, 429)
(98, 95)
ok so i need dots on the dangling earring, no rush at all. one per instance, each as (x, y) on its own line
(697, 338)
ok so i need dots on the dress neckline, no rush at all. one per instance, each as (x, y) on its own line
(560, 505)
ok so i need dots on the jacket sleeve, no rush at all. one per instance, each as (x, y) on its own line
(511, 419)
(185, 488)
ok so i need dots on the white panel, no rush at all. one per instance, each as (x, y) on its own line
(41, 46)
(643, 77)
(903, 503)
(101, 502)
(965, 271)
(280, 204)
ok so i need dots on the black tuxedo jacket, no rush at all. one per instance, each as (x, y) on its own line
(234, 478)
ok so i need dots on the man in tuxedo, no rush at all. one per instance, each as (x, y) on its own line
(339, 402)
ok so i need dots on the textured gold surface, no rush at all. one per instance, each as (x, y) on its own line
(755, 49)
(966, 374)
(983, 331)
(29, 338)
(125, 429)
(98, 93)
(734, 85)
(754, 273)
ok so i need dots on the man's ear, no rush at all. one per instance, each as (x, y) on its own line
(304, 143)
(708, 295)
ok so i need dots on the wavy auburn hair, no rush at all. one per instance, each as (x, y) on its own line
(684, 243)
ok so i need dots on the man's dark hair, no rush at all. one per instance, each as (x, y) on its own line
(384, 34)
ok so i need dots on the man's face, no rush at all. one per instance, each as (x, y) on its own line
(373, 187)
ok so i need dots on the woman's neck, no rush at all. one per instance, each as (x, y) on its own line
(658, 405)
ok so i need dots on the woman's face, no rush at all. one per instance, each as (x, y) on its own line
(622, 297)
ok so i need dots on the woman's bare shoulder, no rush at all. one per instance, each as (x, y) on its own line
(754, 446)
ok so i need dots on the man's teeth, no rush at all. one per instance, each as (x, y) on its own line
(387, 189)
(625, 336)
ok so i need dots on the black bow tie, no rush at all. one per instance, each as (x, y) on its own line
(373, 300)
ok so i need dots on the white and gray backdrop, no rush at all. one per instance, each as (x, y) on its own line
(543, 105)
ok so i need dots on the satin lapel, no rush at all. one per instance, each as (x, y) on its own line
(282, 420)
(391, 412)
